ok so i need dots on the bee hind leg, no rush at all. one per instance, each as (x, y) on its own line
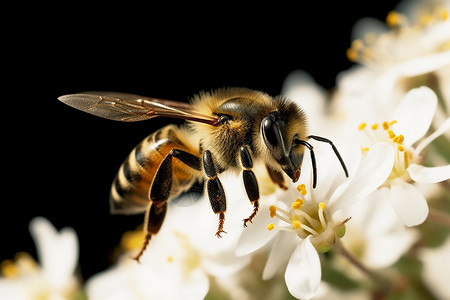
(160, 192)
(154, 217)
(250, 182)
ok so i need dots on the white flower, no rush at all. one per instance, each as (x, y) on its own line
(374, 235)
(54, 279)
(436, 269)
(312, 218)
(414, 48)
(301, 88)
(180, 259)
(406, 126)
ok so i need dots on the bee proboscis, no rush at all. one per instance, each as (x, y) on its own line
(230, 128)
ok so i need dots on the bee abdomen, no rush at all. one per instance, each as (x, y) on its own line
(131, 186)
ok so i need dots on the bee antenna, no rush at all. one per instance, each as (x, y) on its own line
(313, 159)
(322, 139)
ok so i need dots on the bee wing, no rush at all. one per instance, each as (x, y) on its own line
(130, 108)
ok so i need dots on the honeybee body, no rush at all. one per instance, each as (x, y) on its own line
(241, 112)
(230, 128)
(132, 184)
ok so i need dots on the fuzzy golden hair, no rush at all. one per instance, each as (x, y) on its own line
(224, 141)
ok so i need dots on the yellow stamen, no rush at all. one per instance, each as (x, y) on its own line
(442, 13)
(296, 205)
(273, 211)
(426, 19)
(366, 149)
(385, 125)
(296, 224)
(393, 19)
(299, 201)
(391, 134)
(352, 54)
(399, 139)
(302, 189)
(8, 269)
(358, 44)
(392, 122)
(170, 259)
(374, 126)
(322, 205)
(400, 148)
(270, 226)
(362, 126)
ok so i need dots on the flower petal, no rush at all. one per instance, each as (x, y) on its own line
(303, 273)
(284, 246)
(424, 64)
(409, 203)
(372, 172)
(429, 175)
(435, 271)
(443, 128)
(57, 252)
(384, 250)
(303, 90)
(256, 235)
(414, 114)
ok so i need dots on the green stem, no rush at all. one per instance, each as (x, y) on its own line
(383, 285)
(439, 217)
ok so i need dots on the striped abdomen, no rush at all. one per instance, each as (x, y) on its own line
(131, 187)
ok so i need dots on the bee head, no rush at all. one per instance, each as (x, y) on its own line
(281, 130)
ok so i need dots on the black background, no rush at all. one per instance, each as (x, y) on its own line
(60, 162)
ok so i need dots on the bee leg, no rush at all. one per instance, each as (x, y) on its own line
(250, 182)
(160, 192)
(216, 193)
(154, 217)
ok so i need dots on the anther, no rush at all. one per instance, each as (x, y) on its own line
(392, 122)
(374, 126)
(385, 125)
(273, 211)
(302, 189)
(362, 126)
(296, 205)
(322, 205)
(296, 224)
(352, 54)
(442, 13)
(393, 19)
(391, 134)
(270, 227)
(399, 139)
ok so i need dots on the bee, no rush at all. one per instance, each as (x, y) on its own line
(225, 129)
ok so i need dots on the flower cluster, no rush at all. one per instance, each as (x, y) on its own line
(383, 232)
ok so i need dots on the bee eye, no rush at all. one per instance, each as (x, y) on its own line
(271, 133)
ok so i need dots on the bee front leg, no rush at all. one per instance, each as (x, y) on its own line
(216, 193)
(250, 182)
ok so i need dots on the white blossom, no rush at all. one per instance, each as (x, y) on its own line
(403, 130)
(54, 278)
(436, 269)
(180, 259)
(310, 223)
